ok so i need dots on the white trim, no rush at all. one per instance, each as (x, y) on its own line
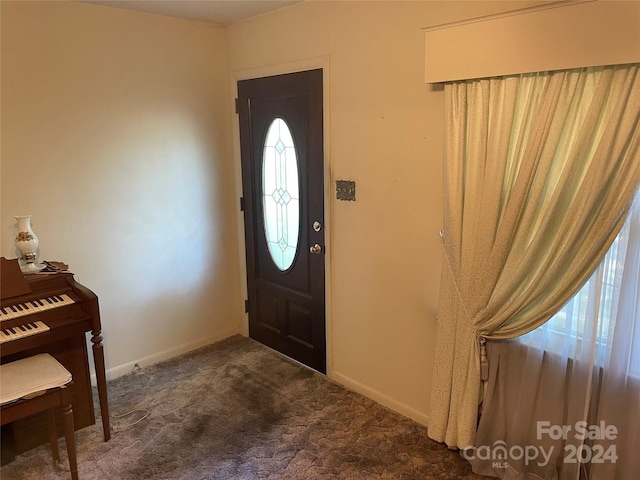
(369, 393)
(168, 354)
(380, 398)
(323, 62)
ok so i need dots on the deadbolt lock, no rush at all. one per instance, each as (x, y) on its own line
(315, 249)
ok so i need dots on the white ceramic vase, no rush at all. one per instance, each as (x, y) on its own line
(27, 244)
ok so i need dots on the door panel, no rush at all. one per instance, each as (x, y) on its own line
(281, 135)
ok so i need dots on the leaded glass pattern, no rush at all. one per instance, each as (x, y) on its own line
(280, 194)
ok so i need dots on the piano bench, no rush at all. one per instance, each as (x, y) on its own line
(35, 384)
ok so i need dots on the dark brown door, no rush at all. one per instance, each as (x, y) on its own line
(281, 143)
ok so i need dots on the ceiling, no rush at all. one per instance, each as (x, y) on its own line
(217, 12)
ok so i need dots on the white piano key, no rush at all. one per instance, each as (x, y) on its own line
(66, 299)
(10, 313)
(23, 309)
(13, 333)
(35, 306)
(21, 331)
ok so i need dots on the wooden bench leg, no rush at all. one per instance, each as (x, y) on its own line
(53, 434)
(69, 436)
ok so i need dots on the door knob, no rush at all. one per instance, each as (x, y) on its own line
(315, 249)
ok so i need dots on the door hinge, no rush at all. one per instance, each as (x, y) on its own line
(246, 306)
(242, 204)
(237, 106)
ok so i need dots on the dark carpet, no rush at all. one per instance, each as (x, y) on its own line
(238, 410)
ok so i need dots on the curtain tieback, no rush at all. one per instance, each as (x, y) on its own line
(484, 360)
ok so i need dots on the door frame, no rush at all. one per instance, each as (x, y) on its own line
(322, 62)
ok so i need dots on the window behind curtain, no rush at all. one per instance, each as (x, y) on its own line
(590, 316)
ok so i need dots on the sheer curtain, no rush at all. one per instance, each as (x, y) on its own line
(564, 400)
(540, 172)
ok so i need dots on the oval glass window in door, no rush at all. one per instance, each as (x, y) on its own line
(280, 194)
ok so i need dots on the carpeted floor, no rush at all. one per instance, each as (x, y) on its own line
(237, 410)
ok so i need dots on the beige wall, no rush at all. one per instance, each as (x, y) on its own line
(115, 139)
(386, 129)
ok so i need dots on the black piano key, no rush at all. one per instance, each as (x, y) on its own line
(19, 307)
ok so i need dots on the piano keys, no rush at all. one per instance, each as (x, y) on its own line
(23, 330)
(52, 314)
(34, 306)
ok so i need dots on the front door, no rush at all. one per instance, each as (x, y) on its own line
(281, 141)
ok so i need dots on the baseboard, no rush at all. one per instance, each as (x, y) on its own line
(142, 362)
(380, 398)
(344, 380)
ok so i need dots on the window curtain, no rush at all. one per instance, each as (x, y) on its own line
(568, 393)
(540, 172)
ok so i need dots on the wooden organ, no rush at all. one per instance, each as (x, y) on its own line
(52, 313)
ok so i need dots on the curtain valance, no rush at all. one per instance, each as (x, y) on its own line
(558, 36)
